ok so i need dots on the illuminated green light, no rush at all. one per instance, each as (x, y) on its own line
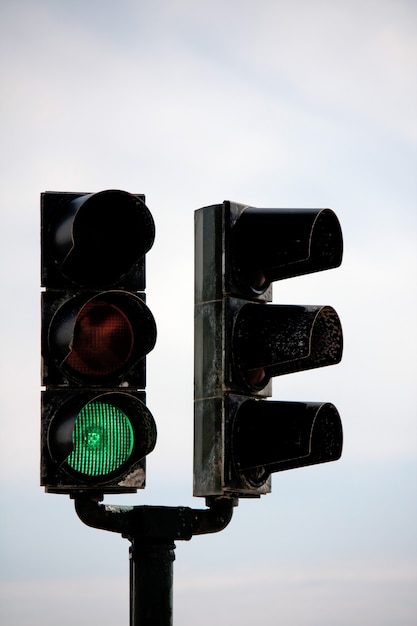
(102, 440)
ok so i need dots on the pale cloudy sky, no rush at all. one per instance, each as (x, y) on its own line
(269, 103)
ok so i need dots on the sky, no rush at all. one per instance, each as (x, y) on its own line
(273, 104)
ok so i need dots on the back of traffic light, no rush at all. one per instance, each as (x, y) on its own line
(242, 342)
(96, 331)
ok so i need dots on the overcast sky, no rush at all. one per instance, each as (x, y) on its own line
(273, 103)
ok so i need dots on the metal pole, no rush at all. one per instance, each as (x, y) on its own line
(152, 531)
(151, 583)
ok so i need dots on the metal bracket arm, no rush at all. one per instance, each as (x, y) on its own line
(155, 523)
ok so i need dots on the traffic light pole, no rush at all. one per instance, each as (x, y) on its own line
(152, 531)
(151, 582)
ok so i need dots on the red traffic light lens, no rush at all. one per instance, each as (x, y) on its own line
(100, 339)
(103, 340)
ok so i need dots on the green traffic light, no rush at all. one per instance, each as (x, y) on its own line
(102, 439)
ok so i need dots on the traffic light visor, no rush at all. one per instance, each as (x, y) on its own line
(98, 437)
(271, 340)
(275, 436)
(272, 244)
(96, 238)
(98, 338)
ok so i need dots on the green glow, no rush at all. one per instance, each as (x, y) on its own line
(102, 439)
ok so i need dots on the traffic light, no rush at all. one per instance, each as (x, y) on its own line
(242, 342)
(96, 429)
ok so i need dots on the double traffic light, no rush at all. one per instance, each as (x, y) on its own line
(96, 331)
(242, 342)
(96, 429)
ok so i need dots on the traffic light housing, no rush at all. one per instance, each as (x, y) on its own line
(242, 342)
(96, 429)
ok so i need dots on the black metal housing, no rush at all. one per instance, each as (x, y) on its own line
(242, 342)
(96, 328)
